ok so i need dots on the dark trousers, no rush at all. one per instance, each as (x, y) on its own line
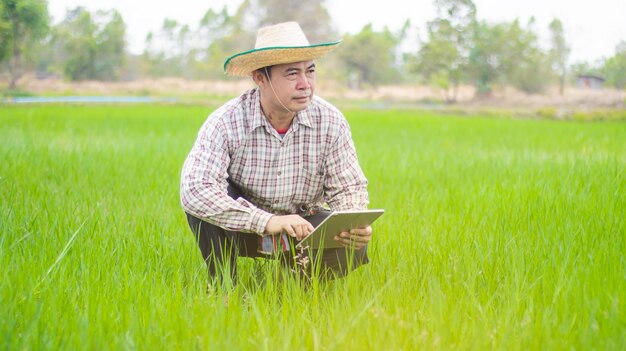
(220, 249)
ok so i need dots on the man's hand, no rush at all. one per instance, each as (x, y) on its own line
(356, 238)
(293, 225)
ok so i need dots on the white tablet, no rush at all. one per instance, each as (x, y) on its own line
(340, 221)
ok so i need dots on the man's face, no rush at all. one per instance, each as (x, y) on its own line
(294, 84)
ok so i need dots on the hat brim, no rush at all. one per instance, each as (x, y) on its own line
(243, 64)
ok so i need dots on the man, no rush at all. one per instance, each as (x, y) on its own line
(266, 160)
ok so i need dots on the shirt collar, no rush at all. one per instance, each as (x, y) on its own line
(258, 119)
(303, 117)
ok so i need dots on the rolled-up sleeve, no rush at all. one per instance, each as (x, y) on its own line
(204, 186)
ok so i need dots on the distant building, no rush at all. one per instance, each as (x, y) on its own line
(589, 81)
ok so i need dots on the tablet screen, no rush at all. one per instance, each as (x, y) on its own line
(335, 223)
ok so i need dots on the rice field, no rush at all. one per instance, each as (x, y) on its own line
(498, 234)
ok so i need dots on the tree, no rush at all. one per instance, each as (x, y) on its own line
(179, 49)
(200, 52)
(507, 54)
(614, 68)
(312, 16)
(174, 37)
(219, 34)
(5, 34)
(22, 23)
(489, 59)
(110, 45)
(234, 37)
(530, 70)
(443, 59)
(214, 26)
(559, 52)
(440, 61)
(76, 35)
(93, 47)
(369, 56)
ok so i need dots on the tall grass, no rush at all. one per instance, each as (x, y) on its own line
(498, 233)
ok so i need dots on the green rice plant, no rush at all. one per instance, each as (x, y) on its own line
(499, 233)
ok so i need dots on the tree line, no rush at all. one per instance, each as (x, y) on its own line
(458, 47)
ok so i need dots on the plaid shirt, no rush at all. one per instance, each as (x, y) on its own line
(313, 163)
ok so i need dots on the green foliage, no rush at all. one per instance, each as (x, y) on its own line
(91, 46)
(440, 56)
(559, 52)
(614, 69)
(312, 16)
(532, 74)
(231, 38)
(22, 24)
(220, 36)
(76, 36)
(461, 49)
(173, 55)
(368, 56)
(5, 33)
(499, 234)
(110, 44)
(490, 56)
(508, 54)
(197, 52)
(443, 59)
(458, 48)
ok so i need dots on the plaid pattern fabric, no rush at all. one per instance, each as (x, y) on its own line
(315, 162)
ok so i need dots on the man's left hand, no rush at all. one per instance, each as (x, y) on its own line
(356, 238)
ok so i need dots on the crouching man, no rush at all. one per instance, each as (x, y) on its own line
(266, 160)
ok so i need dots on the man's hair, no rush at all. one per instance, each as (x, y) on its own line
(265, 71)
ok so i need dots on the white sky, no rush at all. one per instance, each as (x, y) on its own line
(593, 28)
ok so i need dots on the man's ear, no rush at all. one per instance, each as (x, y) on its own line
(259, 78)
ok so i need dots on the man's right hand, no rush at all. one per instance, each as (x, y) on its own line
(293, 225)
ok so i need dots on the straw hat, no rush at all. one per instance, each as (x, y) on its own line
(277, 44)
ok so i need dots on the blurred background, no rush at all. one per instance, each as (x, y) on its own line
(484, 52)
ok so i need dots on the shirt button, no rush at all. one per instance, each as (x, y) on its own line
(275, 201)
(279, 173)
